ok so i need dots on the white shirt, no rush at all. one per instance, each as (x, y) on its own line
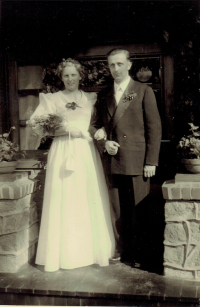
(120, 88)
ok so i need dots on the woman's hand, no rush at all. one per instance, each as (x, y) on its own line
(100, 134)
(76, 134)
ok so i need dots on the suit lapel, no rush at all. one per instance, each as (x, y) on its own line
(111, 102)
(122, 106)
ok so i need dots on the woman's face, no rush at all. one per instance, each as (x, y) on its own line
(70, 78)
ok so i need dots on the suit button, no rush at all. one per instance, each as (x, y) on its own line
(124, 136)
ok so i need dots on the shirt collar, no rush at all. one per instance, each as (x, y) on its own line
(123, 85)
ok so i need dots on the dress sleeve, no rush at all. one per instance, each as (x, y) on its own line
(46, 105)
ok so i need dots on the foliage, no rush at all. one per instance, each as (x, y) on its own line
(96, 73)
(189, 146)
(186, 95)
(9, 151)
(51, 82)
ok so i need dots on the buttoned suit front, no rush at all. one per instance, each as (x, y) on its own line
(135, 125)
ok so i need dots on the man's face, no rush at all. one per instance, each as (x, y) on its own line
(119, 66)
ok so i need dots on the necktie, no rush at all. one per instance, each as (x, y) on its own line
(118, 94)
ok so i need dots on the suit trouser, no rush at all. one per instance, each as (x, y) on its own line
(127, 195)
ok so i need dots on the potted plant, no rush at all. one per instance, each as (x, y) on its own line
(9, 153)
(189, 149)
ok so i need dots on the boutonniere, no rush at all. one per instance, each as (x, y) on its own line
(72, 105)
(129, 96)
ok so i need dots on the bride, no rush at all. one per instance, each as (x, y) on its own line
(76, 228)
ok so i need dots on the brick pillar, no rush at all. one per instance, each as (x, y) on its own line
(18, 220)
(182, 230)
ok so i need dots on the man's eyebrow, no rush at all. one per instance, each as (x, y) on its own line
(116, 63)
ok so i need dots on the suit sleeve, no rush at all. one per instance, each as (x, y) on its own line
(152, 127)
(97, 123)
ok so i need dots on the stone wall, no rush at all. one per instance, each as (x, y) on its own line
(182, 230)
(18, 220)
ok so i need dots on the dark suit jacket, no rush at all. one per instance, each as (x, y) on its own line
(135, 124)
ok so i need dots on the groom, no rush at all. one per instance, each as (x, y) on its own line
(128, 112)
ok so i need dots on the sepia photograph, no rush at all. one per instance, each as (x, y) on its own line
(100, 153)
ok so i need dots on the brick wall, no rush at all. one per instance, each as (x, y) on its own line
(19, 225)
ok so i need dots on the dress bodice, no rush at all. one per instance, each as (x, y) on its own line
(80, 117)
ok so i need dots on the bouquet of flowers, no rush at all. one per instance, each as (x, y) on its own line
(46, 124)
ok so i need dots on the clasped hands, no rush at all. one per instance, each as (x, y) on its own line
(111, 146)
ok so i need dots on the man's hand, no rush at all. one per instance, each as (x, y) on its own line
(112, 147)
(149, 170)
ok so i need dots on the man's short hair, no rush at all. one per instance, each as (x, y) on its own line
(119, 50)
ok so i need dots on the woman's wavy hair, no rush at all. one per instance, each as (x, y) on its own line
(69, 62)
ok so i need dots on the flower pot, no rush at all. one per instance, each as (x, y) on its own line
(7, 167)
(192, 165)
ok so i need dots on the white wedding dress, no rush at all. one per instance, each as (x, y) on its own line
(76, 228)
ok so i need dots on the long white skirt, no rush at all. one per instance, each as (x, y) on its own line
(76, 225)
